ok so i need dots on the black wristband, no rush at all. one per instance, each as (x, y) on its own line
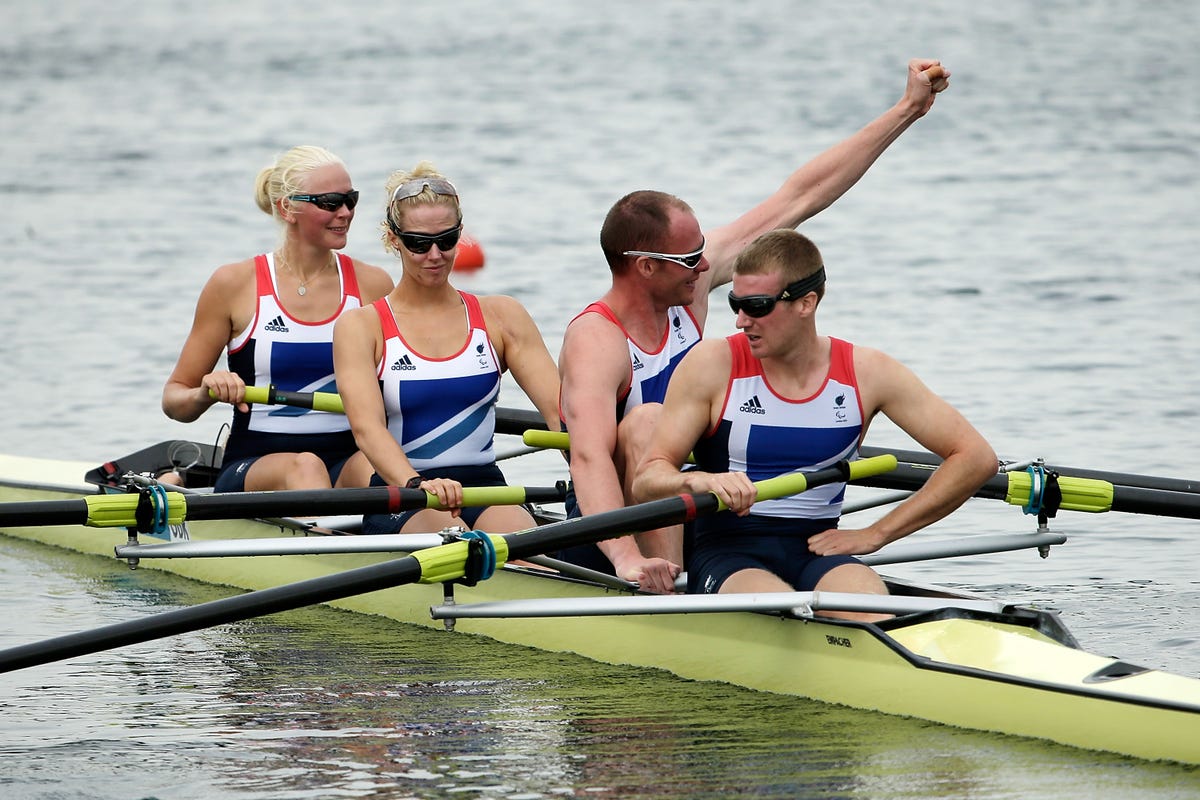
(414, 482)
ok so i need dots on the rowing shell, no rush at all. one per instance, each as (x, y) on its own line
(946, 657)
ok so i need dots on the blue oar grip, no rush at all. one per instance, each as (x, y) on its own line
(1037, 485)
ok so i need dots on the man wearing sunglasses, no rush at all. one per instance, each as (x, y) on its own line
(779, 398)
(618, 354)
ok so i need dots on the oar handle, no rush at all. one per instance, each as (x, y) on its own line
(509, 421)
(672, 510)
(122, 510)
(559, 440)
(551, 440)
(317, 401)
(797, 482)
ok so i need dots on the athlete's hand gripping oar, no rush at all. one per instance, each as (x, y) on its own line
(172, 508)
(436, 565)
(511, 421)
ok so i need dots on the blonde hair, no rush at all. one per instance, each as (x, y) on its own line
(285, 177)
(427, 197)
(789, 252)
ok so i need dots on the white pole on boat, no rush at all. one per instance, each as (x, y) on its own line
(284, 546)
(967, 546)
(798, 602)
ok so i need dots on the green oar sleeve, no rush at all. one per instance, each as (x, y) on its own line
(1078, 494)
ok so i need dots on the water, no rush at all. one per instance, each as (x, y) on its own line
(324, 703)
(1029, 248)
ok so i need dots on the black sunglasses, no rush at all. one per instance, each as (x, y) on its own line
(759, 305)
(330, 201)
(423, 242)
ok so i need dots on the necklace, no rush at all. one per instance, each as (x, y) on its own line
(302, 289)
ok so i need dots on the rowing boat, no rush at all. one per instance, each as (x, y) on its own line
(947, 657)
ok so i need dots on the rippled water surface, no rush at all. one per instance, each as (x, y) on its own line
(1029, 248)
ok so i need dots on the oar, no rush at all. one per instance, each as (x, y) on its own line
(1082, 489)
(126, 510)
(1078, 494)
(1116, 478)
(436, 565)
(317, 401)
(510, 421)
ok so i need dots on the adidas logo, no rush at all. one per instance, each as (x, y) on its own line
(277, 325)
(637, 362)
(403, 362)
(752, 406)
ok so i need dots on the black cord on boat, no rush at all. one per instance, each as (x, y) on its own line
(481, 558)
(1051, 498)
(1045, 495)
(151, 513)
(150, 516)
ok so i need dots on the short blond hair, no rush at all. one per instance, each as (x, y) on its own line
(789, 252)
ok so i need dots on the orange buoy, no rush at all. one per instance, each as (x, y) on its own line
(470, 255)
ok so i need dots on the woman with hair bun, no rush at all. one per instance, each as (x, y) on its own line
(273, 315)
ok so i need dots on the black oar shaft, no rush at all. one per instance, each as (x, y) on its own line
(515, 421)
(1130, 499)
(1115, 478)
(373, 500)
(1162, 503)
(43, 512)
(597, 528)
(217, 612)
(408, 569)
(344, 584)
(293, 502)
(642, 517)
(910, 477)
(511, 421)
(116, 510)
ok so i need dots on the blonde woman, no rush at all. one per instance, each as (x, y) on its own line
(437, 354)
(273, 315)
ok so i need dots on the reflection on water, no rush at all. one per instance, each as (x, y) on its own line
(321, 703)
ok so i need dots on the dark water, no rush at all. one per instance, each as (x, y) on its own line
(1029, 248)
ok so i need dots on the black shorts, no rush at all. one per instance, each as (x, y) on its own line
(726, 544)
(483, 475)
(334, 450)
(233, 476)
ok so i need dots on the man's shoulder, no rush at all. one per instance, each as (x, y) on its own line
(594, 340)
(597, 319)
